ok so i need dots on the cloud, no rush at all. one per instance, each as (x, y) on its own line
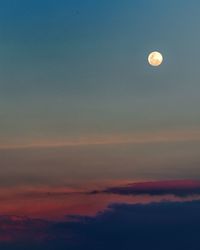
(166, 136)
(166, 225)
(55, 203)
(179, 188)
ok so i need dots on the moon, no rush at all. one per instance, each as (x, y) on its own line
(155, 58)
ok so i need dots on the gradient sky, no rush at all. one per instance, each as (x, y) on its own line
(74, 73)
(99, 150)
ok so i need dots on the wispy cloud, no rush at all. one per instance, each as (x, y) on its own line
(179, 188)
(172, 136)
(55, 203)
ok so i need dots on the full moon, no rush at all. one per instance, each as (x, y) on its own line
(155, 58)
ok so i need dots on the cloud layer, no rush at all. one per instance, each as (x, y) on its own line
(166, 225)
(179, 188)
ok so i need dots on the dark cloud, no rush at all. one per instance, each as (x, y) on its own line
(166, 225)
(177, 188)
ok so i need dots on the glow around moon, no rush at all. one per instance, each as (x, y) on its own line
(155, 58)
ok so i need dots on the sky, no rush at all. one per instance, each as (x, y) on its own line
(82, 112)
(75, 74)
(74, 69)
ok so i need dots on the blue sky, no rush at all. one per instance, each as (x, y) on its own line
(69, 67)
(75, 70)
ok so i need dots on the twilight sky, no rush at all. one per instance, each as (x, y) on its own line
(78, 99)
(99, 150)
